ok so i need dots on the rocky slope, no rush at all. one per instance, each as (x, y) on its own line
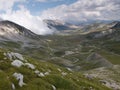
(60, 25)
(81, 50)
(20, 73)
(13, 31)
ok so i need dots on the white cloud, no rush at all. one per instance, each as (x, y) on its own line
(83, 10)
(24, 18)
(6, 5)
(48, 0)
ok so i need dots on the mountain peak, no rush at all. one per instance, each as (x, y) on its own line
(12, 30)
(117, 25)
(59, 25)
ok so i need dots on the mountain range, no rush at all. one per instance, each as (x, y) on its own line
(60, 25)
(76, 57)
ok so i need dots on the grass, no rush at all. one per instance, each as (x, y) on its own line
(11, 44)
(112, 46)
(113, 58)
(4, 82)
(71, 81)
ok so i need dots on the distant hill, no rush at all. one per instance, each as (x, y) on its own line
(60, 25)
(63, 60)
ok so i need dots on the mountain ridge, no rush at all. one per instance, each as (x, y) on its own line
(79, 51)
(15, 29)
(59, 25)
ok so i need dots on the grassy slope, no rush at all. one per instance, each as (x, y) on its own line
(109, 49)
(71, 81)
(113, 58)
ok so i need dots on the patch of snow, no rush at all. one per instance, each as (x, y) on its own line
(19, 77)
(13, 86)
(31, 66)
(17, 63)
(54, 88)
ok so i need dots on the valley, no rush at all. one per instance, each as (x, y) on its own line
(87, 58)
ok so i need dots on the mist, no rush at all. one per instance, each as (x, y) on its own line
(24, 18)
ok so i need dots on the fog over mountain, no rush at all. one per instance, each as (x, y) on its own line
(23, 17)
(73, 12)
(59, 44)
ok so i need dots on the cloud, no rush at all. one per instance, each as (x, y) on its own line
(6, 5)
(48, 0)
(83, 10)
(23, 17)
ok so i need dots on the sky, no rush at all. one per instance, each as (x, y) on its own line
(30, 13)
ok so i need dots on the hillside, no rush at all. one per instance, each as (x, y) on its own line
(20, 73)
(13, 31)
(59, 25)
(69, 58)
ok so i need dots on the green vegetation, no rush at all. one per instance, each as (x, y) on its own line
(60, 78)
(112, 46)
(11, 44)
(113, 58)
(57, 58)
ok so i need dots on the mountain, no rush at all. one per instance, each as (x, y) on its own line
(13, 31)
(59, 25)
(117, 25)
(18, 38)
(68, 60)
(20, 73)
(95, 58)
(108, 31)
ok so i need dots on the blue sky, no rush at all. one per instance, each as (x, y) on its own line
(36, 7)
(31, 13)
